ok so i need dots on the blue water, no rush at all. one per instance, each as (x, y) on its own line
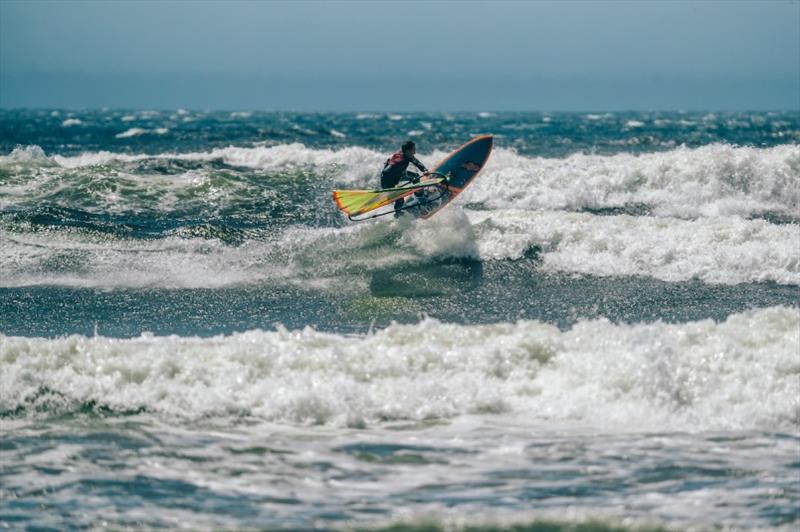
(603, 329)
(530, 133)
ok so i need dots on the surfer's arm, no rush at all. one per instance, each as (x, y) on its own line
(418, 164)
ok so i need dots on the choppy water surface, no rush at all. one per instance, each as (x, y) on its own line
(604, 327)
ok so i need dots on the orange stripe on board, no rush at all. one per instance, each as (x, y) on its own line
(470, 141)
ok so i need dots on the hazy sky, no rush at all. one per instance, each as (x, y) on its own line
(401, 55)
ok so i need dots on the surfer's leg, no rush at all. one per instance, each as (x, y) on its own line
(398, 207)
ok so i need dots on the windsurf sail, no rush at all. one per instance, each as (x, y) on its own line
(357, 202)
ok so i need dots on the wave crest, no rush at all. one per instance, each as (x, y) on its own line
(713, 180)
(737, 374)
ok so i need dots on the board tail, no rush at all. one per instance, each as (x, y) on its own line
(357, 202)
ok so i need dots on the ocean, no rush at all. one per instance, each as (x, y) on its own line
(601, 333)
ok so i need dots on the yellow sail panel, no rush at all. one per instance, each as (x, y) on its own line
(355, 202)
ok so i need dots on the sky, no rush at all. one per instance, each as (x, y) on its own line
(401, 56)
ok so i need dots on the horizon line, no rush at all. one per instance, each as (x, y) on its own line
(395, 111)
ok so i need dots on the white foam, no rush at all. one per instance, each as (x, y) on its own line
(711, 180)
(132, 132)
(451, 235)
(726, 250)
(25, 154)
(351, 164)
(722, 250)
(738, 374)
(71, 122)
(338, 134)
(100, 261)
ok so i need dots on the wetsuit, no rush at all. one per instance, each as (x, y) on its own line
(395, 169)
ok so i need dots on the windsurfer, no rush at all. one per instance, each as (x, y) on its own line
(395, 169)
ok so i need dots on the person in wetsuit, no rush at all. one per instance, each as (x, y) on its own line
(395, 170)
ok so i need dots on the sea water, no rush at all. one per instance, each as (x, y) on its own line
(603, 328)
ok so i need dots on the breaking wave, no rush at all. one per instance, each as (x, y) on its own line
(728, 250)
(723, 250)
(736, 374)
(712, 180)
(718, 214)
